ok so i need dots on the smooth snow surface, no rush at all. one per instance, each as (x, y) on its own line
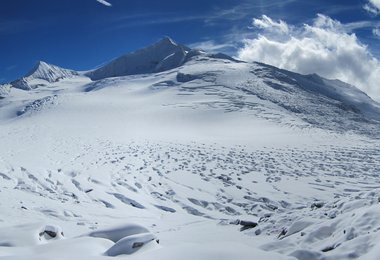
(209, 158)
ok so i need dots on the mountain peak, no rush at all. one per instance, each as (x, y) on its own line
(166, 40)
(45, 72)
(49, 72)
(42, 63)
(164, 46)
(39, 66)
(163, 55)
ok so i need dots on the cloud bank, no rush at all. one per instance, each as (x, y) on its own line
(324, 47)
(104, 2)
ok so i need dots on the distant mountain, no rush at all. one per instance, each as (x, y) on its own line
(160, 56)
(42, 74)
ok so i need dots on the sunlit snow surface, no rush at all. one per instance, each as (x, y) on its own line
(187, 153)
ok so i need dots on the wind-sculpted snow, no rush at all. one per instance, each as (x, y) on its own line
(49, 240)
(322, 198)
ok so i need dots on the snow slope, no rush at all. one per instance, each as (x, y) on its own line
(217, 159)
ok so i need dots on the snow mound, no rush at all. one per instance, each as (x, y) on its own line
(44, 240)
(117, 233)
(29, 235)
(42, 74)
(130, 244)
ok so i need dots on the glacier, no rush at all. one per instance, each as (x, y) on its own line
(211, 157)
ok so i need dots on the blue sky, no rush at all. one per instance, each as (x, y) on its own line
(84, 34)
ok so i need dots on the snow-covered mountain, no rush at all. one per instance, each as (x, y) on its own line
(161, 56)
(330, 104)
(216, 158)
(41, 75)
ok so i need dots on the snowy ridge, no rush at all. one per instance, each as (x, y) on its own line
(41, 74)
(161, 56)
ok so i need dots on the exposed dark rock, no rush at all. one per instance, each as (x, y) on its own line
(317, 205)
(245, 224)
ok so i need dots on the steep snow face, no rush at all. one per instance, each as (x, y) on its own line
(350, 96)
(161, 56)
(329, 104)
(41, 74)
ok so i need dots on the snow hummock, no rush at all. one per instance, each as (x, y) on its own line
(117, 233)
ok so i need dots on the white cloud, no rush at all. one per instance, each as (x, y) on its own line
(375, 3)
(323, 47)
(268, 24)
(104, 2)
(349, 27)
(373, 7)
(212, 46)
